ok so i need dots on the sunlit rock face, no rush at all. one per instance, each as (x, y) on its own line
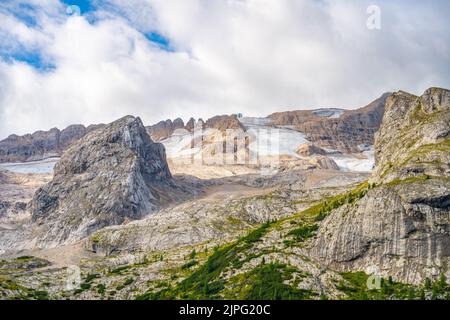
(113, 174)
(401, 227)
(342, 130)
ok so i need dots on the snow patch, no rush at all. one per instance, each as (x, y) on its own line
(328, 112)
(272, 141)
(352, 163)
(41, 166)
(276, 141)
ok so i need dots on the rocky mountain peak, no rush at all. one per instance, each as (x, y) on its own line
(399, 226)
(165, 129)
(190, 124)
(110, 175)
(414, 138)
(224, 122)
(435, 100)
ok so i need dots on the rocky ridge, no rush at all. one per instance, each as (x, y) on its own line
(345, 131)
(41, 144)
(165, 129)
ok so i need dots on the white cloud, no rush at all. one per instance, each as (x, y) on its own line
(254, 56)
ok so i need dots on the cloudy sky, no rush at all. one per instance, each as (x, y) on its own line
(92, 61)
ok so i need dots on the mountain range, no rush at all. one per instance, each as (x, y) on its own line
(339, 204)
(343, 130)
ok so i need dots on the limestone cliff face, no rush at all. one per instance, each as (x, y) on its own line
(113, 174)
(30, 147)
(401, 227)
(414, 139)
(71, 134)
(41, 144)
(343, 130)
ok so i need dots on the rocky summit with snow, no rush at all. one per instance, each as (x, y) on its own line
(309, 204)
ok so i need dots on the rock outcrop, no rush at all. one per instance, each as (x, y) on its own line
(307, 150)
(401, 226)
(190, 125)
(164, 129)
(414, 139)
(114, 174)
(71, 134)
(343, 131)
(224, 122)
(41, 144)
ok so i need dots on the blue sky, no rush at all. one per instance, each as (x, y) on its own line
(28, 13)
(162, 59)
(84, 5)
(87, 7)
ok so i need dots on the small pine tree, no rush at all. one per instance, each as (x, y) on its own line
(427, 284)
(442, 282)
(422, 294)
(434, 293)
(192, 254)
(411, 294)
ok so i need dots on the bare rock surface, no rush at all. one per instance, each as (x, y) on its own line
(41, 144)
(308, 150)
(224, 122)
(111, 175)
(401, 227)
(414, 139)
(229, 207)
(165, 129)
(344, 132)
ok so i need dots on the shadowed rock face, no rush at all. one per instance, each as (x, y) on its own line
(113, 174)
(400, 228)
(71, 134)
(41, 144)
(344, 133)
